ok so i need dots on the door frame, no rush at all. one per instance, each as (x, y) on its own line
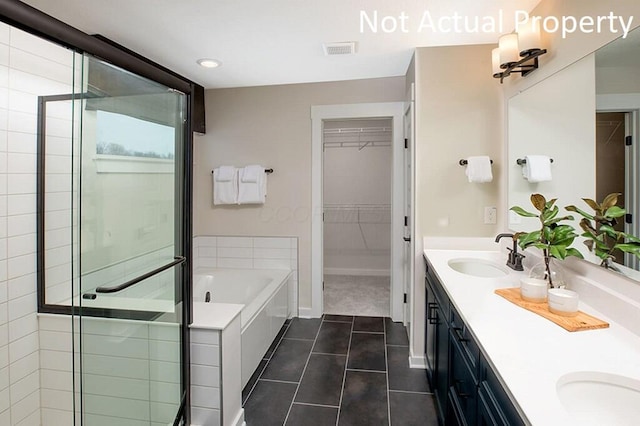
(320, 113)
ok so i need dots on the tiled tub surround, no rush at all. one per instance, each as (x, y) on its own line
(339, 370)
(263, 295)
(531, 353)
(250, 253)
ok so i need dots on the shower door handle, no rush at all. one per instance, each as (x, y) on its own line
(407, 239)
(177, 261)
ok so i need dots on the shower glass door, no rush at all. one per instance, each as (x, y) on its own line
(130, 266)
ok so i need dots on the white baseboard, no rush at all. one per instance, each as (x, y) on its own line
(417, 361)
(305, 312)
(350, 271)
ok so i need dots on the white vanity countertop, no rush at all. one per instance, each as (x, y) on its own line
(214, 316)
(530, 353)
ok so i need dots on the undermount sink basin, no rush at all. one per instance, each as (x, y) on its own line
(595, 398)
(478, 268)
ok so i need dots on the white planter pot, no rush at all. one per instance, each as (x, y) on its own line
(533, 290)
(563, 302)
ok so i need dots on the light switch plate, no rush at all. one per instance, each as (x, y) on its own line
(490, 214)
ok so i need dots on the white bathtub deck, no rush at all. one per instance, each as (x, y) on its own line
(214, 316)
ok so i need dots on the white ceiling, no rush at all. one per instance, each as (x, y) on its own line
(264, 42)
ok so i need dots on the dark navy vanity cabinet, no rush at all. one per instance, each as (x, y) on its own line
(467, 390)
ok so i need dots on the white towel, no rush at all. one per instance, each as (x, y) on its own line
(252, 192)
(251, 173)
(225, 173)
(479, 169)
(225, 191)
(537, 169)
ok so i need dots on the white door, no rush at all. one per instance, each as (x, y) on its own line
(408, 216)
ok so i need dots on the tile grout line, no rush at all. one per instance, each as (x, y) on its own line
(302, 375)
(386, 362)
(344, 376)
(316, 405)
(412, 392)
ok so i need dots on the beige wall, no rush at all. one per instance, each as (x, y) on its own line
(271, 125)
(458, 114)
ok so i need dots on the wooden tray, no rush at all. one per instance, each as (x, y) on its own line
(579, 322)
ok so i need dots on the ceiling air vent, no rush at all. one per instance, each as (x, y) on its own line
(341, 48)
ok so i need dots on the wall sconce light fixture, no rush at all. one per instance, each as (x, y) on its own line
(518, 52)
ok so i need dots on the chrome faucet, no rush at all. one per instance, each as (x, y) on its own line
(514, 260)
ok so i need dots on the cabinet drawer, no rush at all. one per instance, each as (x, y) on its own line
(440, 295)
(496, 399)
(463, 386)
(461, 334)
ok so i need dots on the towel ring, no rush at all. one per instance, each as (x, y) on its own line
(464, 162)
(523, 161)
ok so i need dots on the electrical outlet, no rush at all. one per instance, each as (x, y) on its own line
(490, 214)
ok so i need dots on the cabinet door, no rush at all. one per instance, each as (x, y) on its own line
(463, 386)
(442, 362)
(431, 321)
(485, 415)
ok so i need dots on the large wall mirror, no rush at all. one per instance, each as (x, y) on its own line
(583, 118)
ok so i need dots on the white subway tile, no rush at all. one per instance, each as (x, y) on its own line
(59, 127)
(206, 337)
(5, 402)
(22, 101)
(271, 242)
(271, 263)
(170, 332)
(21, 142)
(207, 262)
(57, 219)
(115, 328)
(162, 371)
(30, 83)
(18, 162)
(235, 263)
(4, 294)
(58, 399)
(246, 242)
(57, 145)
(116, 366)
(122, 387)
(4, 179)
(21, 286)
(4, 119)
(21, 225)
(205, 397)
(207, 252)
(4, 318)
(205, 416)
(58, 164)
(22, 306)
(161, 350)
(54, 322)
(4, 96)
(38, 46)
(4, 378)
(20, 389)
(4, 75)
(165, 392)
(205, 354)
(272, 253)
(55, 340)
(163, 414)
(21, 183)
(23, 347)
(56, 360)
(58, 201)
(116, 346)
(3, 161)
(21, 121)
(4, 355)
(21, 265)
(204, 375)
(4, 208)
(61, 109)
(25, 408)
(32, 419)
(3, 221)
(20, 204)
(22, 327)
(118, 408)
(35, 64)
(57, 256)
(235, 252)
(21, 245)
(24, 367)
(206, 241)
(58, 380)
(56, 417)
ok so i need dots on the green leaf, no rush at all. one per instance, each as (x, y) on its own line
(574, 252)
(559, 252)
(631, 238)
(580, 212)
(610, 200)
(522, 212)
(549, 214)
(615, 211)
(538, 201)
(629, 248)
(528, 238)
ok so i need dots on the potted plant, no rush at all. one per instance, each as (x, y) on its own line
(553, 238)
(599, 229)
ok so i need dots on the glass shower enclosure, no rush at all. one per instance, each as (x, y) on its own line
(111, 240)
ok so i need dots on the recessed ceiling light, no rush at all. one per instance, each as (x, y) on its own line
(209, 63)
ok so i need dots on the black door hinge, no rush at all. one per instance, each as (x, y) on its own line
(405, 298)
(628, 218)
(406, 143)
(406, 221)
(628, 141)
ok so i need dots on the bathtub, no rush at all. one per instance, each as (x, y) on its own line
(265, 296)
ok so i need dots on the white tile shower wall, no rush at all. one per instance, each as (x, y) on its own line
(28, 67)
(250, 253)
(127, 380)
(205, 377)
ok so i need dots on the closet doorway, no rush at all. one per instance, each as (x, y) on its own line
(357, 203)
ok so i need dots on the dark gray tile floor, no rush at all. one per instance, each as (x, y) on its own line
(339, 371)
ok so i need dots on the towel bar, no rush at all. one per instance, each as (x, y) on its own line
(265, 170)
(464, 162)
(523, 161)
